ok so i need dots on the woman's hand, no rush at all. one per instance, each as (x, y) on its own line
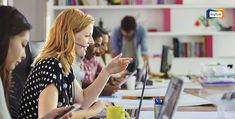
(56, 112)
(97, 107)
(109, 90)
(118, 64)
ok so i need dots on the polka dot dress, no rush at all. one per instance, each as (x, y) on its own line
(47, 71)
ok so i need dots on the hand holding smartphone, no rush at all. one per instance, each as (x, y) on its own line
(73, 108)
(125, 79)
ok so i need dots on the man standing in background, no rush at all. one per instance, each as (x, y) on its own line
(127, 39)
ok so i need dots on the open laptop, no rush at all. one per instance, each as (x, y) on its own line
(142, 93)
(172, 96)
(133, 112)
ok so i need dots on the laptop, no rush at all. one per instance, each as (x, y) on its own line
(133, 112)
(142, 93)
(172, 96)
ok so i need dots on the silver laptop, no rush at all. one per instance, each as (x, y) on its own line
(172, 96)
(133, 112)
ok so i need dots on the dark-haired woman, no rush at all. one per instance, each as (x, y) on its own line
(14, 36)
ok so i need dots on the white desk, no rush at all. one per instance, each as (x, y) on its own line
(185, 99)
(187, 115)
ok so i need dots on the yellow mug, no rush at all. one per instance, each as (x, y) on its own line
(116, 112)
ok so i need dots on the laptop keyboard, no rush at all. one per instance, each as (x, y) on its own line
(132, 112)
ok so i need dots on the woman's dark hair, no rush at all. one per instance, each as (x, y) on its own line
(103, 31)
(12, 23)
(128, 23)
(96, 33)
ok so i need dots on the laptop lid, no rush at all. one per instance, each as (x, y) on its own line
(172, 95)
(140, 74)
(142, 93)
(135, 112)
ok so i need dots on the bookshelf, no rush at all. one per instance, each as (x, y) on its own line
(123, 7)
(190, 33)
(170, 20)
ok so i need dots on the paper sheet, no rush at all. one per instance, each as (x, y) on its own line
(185, 99)
(187, 84)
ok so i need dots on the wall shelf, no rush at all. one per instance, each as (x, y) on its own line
(171, 20)
(120, 7)
(190, 33)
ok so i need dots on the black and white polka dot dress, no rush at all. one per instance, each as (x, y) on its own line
(47, 71)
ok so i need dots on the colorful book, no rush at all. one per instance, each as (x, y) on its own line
(208, 46)
(233, 19)
(188, 49)
(160, 1)
(179, 1)
(192, 49)
(167, 19)
(180, 49)
(176, 47)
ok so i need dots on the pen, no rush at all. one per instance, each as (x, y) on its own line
(158, 101)
(137, 97)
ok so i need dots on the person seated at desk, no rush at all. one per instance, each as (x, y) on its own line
(51, 83)
(14, 37)
(92, 65)
(20, 74)
(105, 49)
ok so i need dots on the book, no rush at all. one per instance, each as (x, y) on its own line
(179, 1)
(160, 1)
(175, 47)
(167, 19)
(208, 46)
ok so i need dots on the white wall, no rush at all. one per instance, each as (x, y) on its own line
(184, 21)
(35, 12)
(208, 1)
(184, 66)
(224, 46)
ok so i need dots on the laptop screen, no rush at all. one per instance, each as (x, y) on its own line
(142, 93)
(171, 98)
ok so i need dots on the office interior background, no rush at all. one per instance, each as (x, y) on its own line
(165, 20)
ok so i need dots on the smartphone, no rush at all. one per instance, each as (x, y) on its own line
(125, 79)
(73, 108)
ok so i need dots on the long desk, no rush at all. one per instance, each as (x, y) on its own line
(204, 111)
(186, 115)
(199, 108)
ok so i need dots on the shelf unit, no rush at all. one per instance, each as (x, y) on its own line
(123, 7)
(171, 20)
(190, 33)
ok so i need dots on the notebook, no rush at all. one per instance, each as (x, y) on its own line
(172, 96)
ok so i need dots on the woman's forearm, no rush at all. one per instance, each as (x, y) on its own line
(93, 91)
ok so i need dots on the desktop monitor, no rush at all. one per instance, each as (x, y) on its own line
(166, 60)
